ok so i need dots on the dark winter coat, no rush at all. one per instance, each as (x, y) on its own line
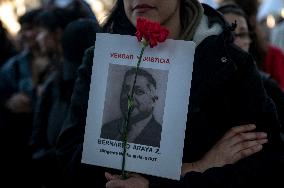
(226, 91)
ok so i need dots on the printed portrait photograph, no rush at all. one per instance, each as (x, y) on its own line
(146, 117)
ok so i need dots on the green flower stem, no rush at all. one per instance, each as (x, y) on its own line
(137, 68)
(129, 110)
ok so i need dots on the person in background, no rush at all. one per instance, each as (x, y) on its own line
(269, 58)
(233, 14)
(250, 7)
(236, 17)
(232, 136)
(52, 106)
(51, 24)
(17, 84)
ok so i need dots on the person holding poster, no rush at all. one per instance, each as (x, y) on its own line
(232, 136)
(144, 128)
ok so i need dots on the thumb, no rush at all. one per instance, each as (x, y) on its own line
(110, 177)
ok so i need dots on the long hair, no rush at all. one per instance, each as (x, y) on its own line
(117, 21)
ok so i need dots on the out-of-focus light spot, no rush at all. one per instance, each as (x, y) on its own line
(98, 6)
(21, 8)
(282, 13)
(12, 9)
(8, 18)
(270, 21)
(99, 9)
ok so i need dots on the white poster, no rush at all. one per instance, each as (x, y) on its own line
(161, 96)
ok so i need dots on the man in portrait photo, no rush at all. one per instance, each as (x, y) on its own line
(143, 128)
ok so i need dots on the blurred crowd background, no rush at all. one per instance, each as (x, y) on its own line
(270, 12)
(10, 10)
(42, 43)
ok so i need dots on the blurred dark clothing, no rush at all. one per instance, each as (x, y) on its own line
(50, 113)
(276, 94)
(7, 48)
(15, 129)
(15, 77)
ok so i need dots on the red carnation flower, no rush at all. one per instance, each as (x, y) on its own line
(152, 32)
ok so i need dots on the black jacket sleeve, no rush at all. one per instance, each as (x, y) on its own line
(276, 94)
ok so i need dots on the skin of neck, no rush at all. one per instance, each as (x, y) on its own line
(173, 24)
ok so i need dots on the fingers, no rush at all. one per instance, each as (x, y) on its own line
(239, 129)
(238, 143)
(114, 181)
(110, 177)
(247, 152)
(135, 180)
(242, 137)
(246, 148)
(248, 144)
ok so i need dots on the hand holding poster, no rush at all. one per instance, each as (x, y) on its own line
(157, 125)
